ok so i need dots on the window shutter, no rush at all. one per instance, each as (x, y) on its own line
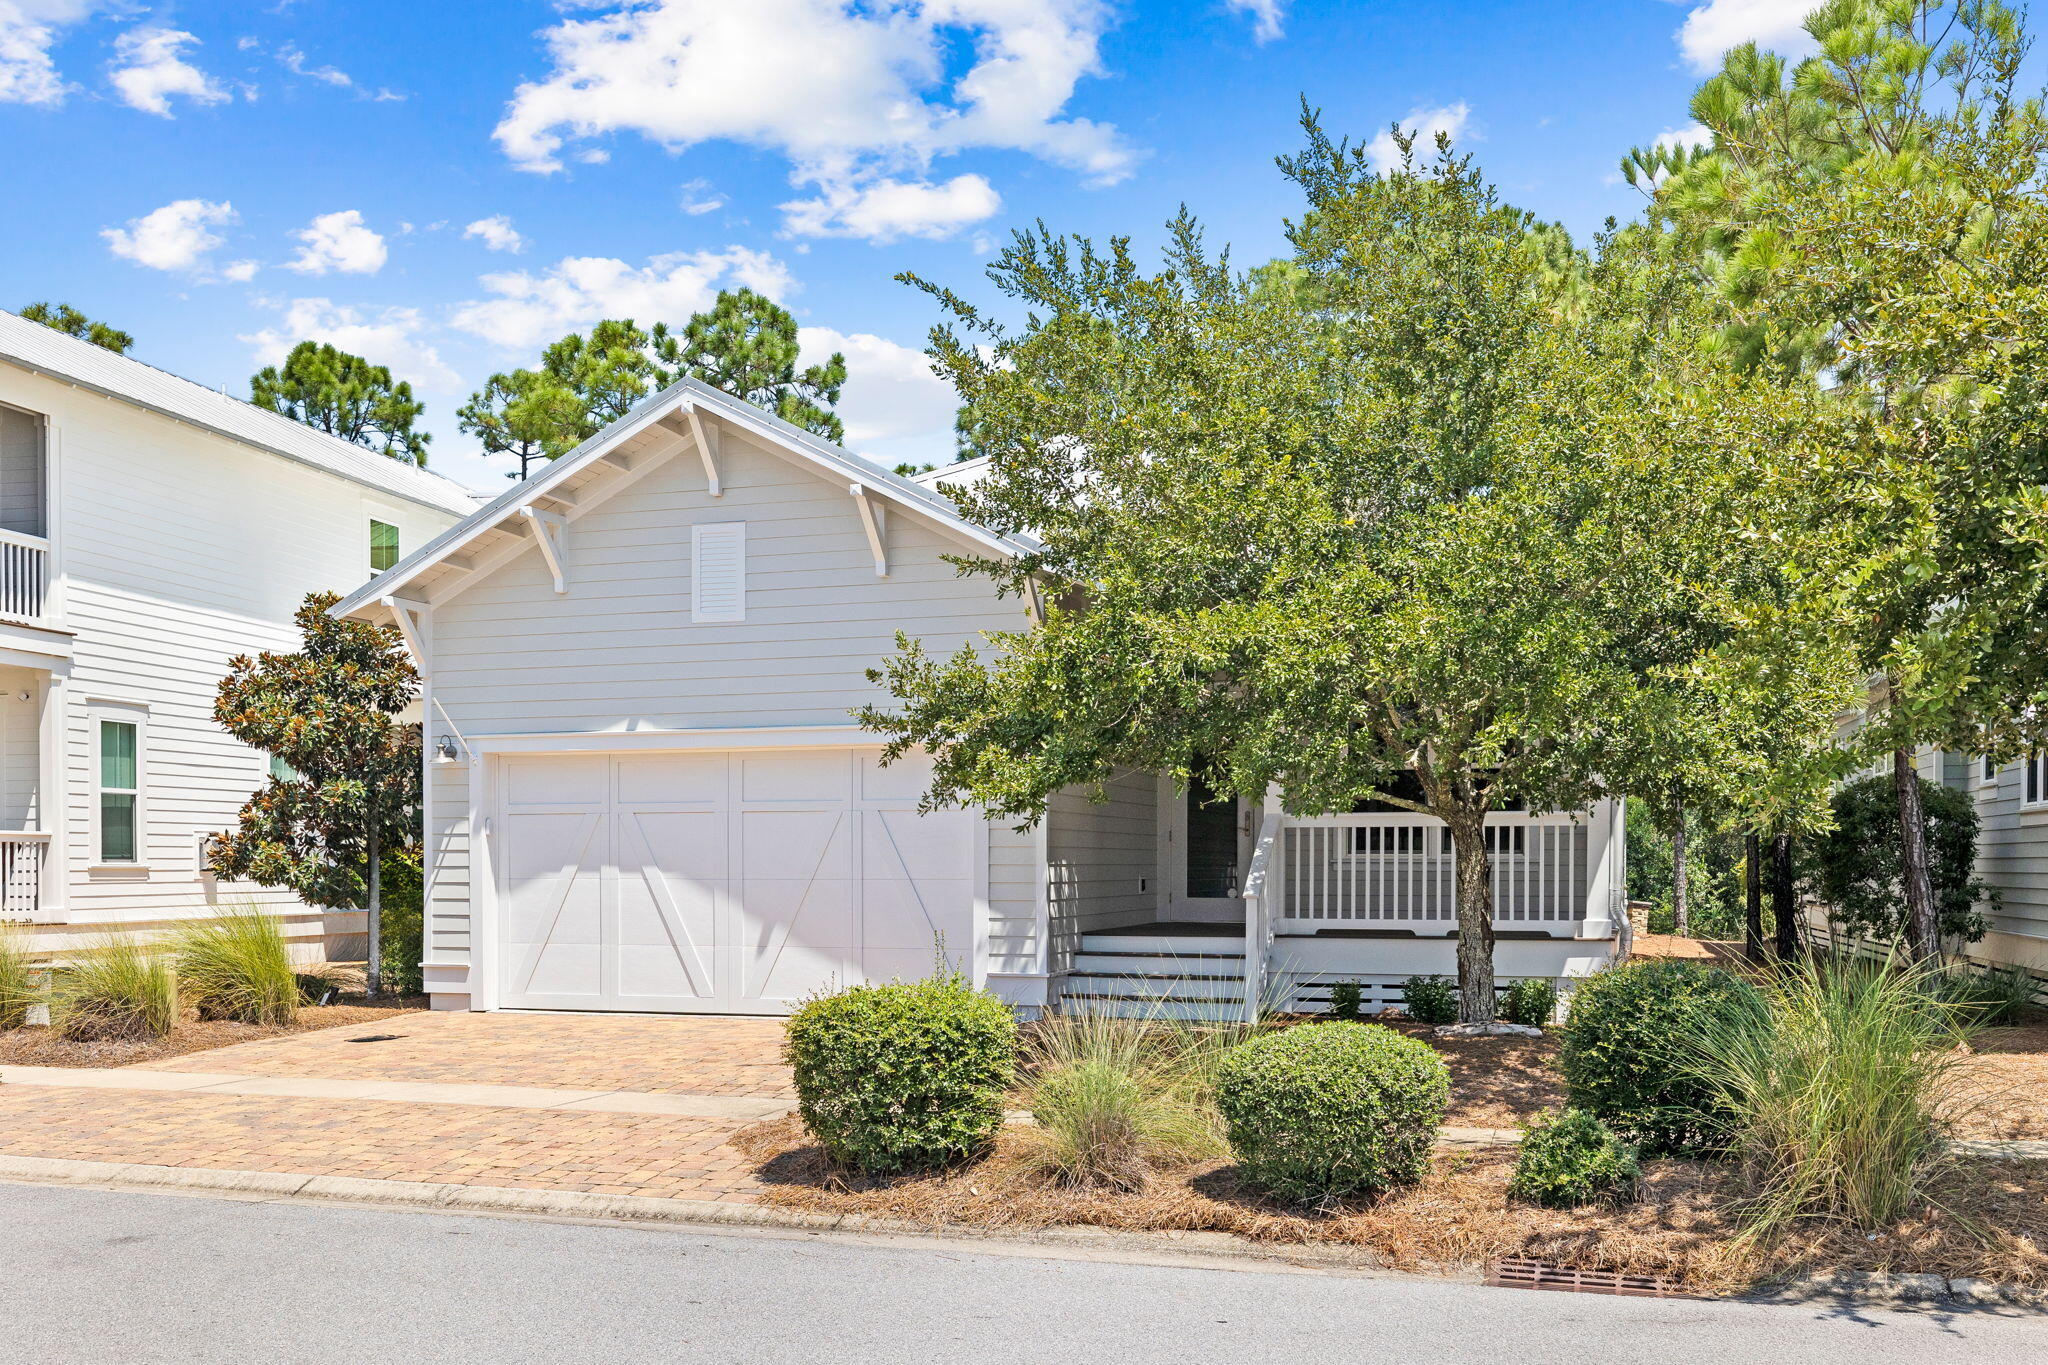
(718, 572)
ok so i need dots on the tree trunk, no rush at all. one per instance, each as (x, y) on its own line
(1681, 925)
(1923, 937)
(1783, 911)
(1753, 897)
(1475, 920)
(373, 983)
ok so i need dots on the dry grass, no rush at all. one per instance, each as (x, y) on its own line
(1991, 1220)
(45, 1047)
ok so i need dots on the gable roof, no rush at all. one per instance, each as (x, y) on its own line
(681, 398)
(49, 352)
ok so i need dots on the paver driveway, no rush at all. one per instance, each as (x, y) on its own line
(663, 1155)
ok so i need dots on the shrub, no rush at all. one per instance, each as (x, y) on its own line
(1837, 1084)
(1347, 1000)
(401, 922)
(1991, 997)
(116, 990)
(18, 989)
(1854, 866)
(1624, 1056)
(236, 966)
(1327, 1110)
(1430, 999)
(1573, 1159)
(1531, 1001)
(1114, 1099)
(903, 1077)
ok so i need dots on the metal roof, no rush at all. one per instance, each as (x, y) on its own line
(46, 351)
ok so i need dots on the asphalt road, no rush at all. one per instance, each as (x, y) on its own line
(101, 1276)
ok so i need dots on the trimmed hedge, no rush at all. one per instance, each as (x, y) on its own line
(903, 1077)
(1573, 1159)
(1430, 999)
(1624, 1053)
(1531, 1001)
(1325, 1110)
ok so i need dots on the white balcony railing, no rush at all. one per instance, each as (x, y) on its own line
(24, 576)
(21, 875)
(1397, 872)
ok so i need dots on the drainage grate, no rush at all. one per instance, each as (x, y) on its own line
(375, 1038)
(1514, 1274)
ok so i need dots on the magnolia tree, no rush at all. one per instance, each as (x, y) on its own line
(349, 790)
(1416, 504)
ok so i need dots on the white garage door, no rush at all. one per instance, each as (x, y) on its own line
(728, 882)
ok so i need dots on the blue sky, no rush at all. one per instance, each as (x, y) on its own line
(447, 187)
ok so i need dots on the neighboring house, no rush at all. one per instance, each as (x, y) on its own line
(2012, 851)
(150, 530)
(645, 790)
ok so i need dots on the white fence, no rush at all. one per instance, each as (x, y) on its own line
(24, 576)
(21, 876)
(1396, 871)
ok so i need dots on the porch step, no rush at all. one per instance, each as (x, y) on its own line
(1123, 986)
(1171, 945)
(1161, 964)
(1192, 1011)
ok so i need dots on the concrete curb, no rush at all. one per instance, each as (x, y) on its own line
(1211, 1248)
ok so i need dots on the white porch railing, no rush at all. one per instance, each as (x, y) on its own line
(24, 576)
(1264, 885)
(21, 875)
(1397, 871)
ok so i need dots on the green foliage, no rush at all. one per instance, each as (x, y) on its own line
(354, 790)
(235, 965)
(64, 318)
(1430, 999)
(344, 395)
(745, 344)
(117, 990)
(1988, 997)
(1836, 1086)
(1625, 1056)
(1572, 1159)
(1531, 1001)
(19, 987)
(403, 925)
(1714, 875)
(1116, 1099)
(903, 1077)
(1855, 868)
(1346, 1000)
(1323, 1111)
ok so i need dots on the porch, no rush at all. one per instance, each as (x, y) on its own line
(1369, 898)
(35, 654)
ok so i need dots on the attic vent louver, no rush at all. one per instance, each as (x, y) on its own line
(718, 572)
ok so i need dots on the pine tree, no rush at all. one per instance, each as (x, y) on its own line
(344, 395)
(72, 323)
(747, 345)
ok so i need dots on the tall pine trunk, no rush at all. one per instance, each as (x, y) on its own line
(1923, 940)
(1784, 912)
(1475, 917)
(1681, 923)
(373, 974)
(1753, 897)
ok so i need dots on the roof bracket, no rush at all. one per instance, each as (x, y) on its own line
(872, 520)
(550, 532)
(414, 619)
(707, 448)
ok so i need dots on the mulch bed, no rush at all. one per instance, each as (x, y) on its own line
(2008, 1085)
(42, 1047)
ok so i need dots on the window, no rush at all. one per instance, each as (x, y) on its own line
(718, 572)
(282, 771)
(120, 790)
(1987, 770)
(383, 545)
(2034, 779)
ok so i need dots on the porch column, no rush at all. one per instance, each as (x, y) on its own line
(51, 808)
(1605, 848)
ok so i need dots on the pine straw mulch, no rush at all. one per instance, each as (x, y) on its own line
(42, 1046)
(1684, 1224)
(2006, 1084)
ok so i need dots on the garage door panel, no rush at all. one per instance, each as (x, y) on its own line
(903, 914)
(669, 889)
(671, 779)
(798, 776)
(906, 780)
(557, 780)
(902, 843)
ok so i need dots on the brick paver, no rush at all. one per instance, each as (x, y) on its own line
(694, 1055)
(657, 1155)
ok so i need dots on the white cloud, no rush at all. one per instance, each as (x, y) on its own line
(28, 30)
(497, 233)
(1686, 138)
(894, 407)
(149, 68)
(1268, 17)
(295, 62)
(700, 198)
(240, 272)
(884, 210)
(340, 242)
(392, 337)
(533, 308)
(1423, 125)
(853, 96)
(1712, 28)
(174, 237)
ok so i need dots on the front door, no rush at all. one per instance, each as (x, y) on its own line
(1210, 832)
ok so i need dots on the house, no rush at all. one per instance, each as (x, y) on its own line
(646, 793)
(2012, 851)
(150, 530)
